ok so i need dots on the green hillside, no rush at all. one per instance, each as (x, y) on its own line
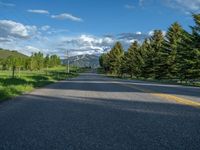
(6, 53)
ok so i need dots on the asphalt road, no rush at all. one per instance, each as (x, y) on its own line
(93, 112)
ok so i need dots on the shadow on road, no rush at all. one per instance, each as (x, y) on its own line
(78, 115)
(94, 82)
(95, 123)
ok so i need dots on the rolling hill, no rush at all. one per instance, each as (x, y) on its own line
(6, 53)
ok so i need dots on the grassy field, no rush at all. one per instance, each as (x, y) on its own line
(176, 82)
(26, 81)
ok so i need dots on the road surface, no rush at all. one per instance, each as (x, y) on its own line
(92, 112)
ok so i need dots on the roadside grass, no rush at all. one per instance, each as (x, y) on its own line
(162, 81)
(26, 81)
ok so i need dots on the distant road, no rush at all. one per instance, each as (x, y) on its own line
(93, 112)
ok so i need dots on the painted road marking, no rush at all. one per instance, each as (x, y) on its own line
(168, 97)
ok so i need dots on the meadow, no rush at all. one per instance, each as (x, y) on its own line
(26, 81)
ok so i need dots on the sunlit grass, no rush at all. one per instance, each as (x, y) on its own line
(26, 81)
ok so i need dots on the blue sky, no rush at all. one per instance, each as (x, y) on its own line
(86, 26)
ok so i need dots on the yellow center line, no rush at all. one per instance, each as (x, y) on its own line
(168, 97)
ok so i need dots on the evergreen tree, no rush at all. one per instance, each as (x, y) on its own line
(168, 66)
(134, 60)
(156, 42)
(145, 53)
(196, 47)
(124, 64)
(189, 54)
(104, 62)
(153, 55)
(115, 58)
(176, 55)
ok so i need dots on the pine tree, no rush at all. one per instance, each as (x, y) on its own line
(146, 53)
(196, 47)
(134, 60)
(104, 62)
(153, 55)
(189, 54)
(124, 69)
(115, 58)
(156, 42)
(168, 66)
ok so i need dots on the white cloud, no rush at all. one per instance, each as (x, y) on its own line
(151, 33)
(186, 5)
(132, 41)
(6, 4)
(38, 11)
(28, 39)
(85, 44)
(45, 28)
(66, 16)
(57, 31)
(9, 28)
(28, 50)
(138, 33)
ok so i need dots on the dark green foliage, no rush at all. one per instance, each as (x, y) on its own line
(189, 54)
(175, 55)
(112, 61)
(169, 53)
(147, 59)
(156, 43)
(12, 60)
(104, 62)
(134, 60)
(115, 58)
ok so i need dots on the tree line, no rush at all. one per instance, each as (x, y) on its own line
(36, 62)
(175, 55)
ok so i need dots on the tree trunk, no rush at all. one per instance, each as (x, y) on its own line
(19, 71)
(13, 71)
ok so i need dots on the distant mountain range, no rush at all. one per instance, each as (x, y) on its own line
(83, 60)
(79, 60)
(6, 53)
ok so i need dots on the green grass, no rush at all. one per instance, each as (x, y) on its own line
(25, 81)
(163, 81)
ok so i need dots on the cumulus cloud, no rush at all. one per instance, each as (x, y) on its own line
(38, 11)
(85, 44)
(26, 39)
(76, 45)
(67, 16)
(12, 29)
(89, 44)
